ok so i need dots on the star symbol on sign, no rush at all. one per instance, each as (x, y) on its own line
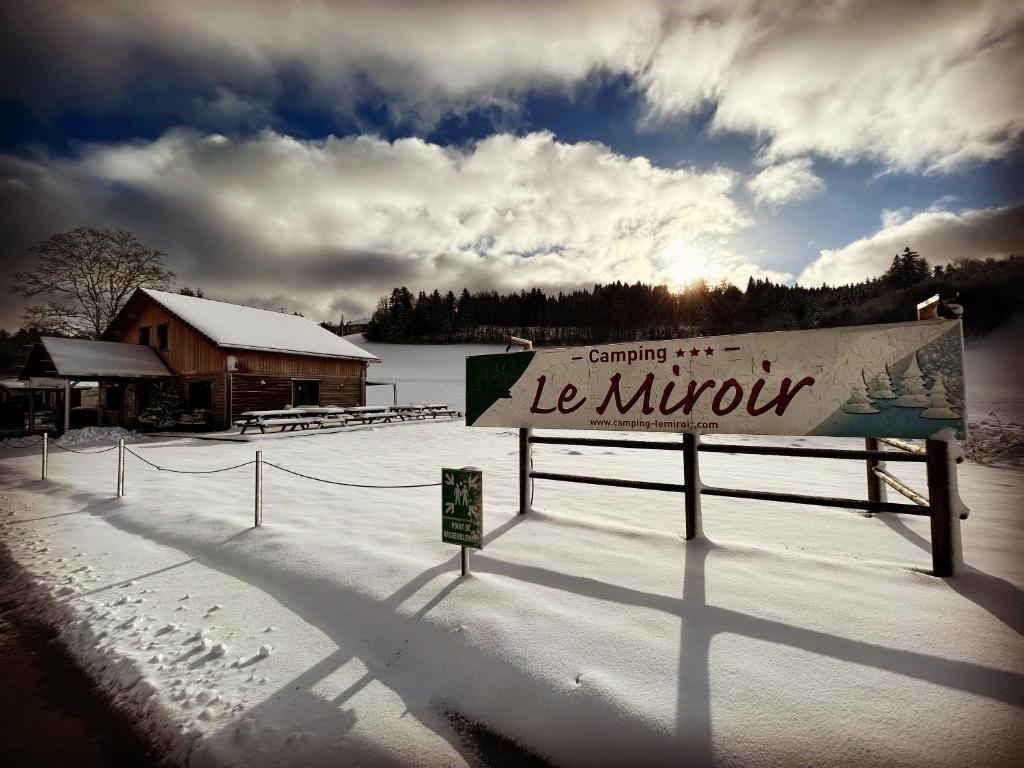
(680, 353)
(709, 351)
(694, 352)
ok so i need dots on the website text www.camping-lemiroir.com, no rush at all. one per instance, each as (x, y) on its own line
(654, 423)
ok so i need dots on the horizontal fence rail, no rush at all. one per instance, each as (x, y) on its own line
(825, 501)
(740, 493)
(811, 453)
(898, 485)
(942, 505)
(903, 445)
(754, 450)
(611, 481)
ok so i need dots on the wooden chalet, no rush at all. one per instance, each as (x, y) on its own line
(228, 358)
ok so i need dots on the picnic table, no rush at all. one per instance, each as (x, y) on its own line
(409, 411)
(307, 417)
(440, 409)
(327, 413)
(368, 414)
(286, 418)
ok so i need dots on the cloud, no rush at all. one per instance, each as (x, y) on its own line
(336, 223)
(912, 85)
(940, 236)
(785, 183)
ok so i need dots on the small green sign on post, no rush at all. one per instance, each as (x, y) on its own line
(462, 507)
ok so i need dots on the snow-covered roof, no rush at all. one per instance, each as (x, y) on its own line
(238, 327)
(108, 359)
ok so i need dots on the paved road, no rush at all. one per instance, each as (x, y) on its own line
(50, 714)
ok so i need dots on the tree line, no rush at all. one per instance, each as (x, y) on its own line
(989, 290)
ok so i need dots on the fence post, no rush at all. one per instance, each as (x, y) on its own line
(876, 488)
(945, 504)
(120, 467)
(693, 527)
(259, 490)
(525, 467)
(46, 452)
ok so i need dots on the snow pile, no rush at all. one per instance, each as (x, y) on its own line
(77, 438)
(25, 441)
(97, 436)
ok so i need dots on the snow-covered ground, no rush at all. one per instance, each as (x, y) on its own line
(341, 632)
(425, 373)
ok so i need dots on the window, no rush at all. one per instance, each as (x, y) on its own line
(144, 336)
(200, 395)
(161, 337)
(305, 393)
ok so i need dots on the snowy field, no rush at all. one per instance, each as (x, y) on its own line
(589, 633)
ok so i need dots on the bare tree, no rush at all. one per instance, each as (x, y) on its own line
(86, 275)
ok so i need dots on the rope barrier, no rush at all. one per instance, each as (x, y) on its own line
(347, 485)
(186, 471)
(239, 466)
(55, 444)
(28, 445)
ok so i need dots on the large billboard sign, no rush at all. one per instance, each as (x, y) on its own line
(893, 380)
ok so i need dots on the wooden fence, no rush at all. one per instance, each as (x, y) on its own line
(940, 457)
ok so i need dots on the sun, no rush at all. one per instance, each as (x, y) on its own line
(683, 263)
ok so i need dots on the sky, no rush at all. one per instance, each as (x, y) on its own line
(312, 156)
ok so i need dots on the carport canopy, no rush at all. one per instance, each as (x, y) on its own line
(89, 360)
(92, 360)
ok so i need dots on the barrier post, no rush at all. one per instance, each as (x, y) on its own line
(876, 488)
(693, 527)
(46, 452)
(946, 508)
(525, 467)
(259, 490)
(120, 467)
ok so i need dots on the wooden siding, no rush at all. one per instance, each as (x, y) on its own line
(187, 352)
(251, 361)
(255, 392)
(218, 382)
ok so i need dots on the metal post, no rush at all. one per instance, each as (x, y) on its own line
(259, 490)
(120, 467)
(67, 405)
(465, 561)
(946, 507)
(46, 452)
(693, 527)
(525, 467)
(876, 488)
